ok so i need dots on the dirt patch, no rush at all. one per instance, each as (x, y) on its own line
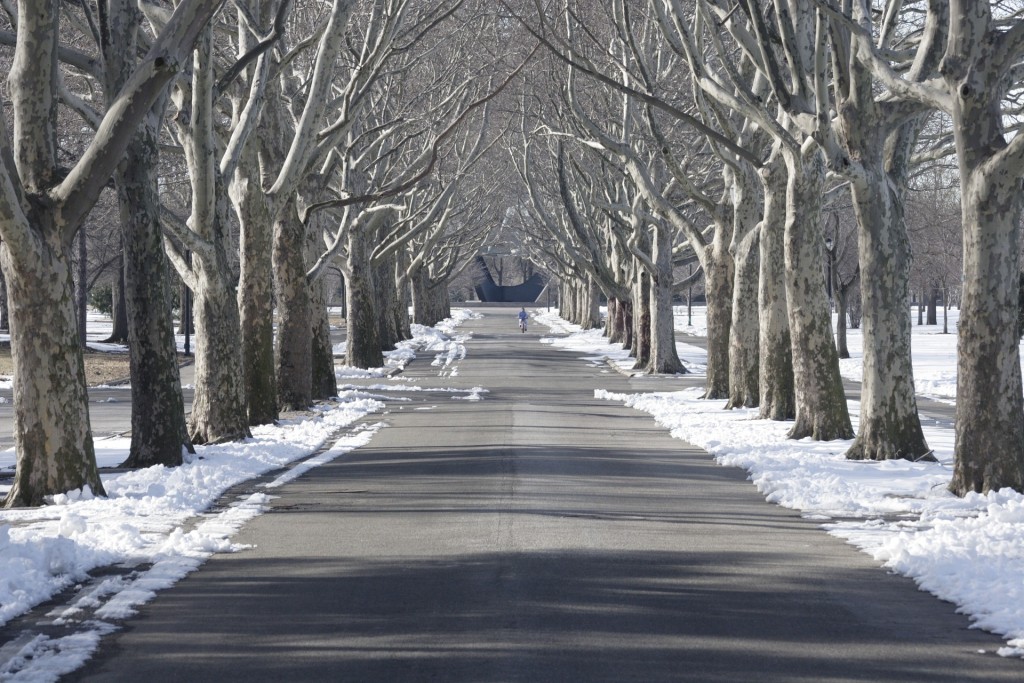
(100, 368)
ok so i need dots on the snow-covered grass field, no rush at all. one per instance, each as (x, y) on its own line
(968, 551)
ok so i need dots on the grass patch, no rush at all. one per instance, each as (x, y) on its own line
(100, 367)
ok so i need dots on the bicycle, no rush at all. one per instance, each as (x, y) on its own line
(522, 324)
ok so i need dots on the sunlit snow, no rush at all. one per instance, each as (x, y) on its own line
(968, 551)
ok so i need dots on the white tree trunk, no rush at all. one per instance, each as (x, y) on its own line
(718, 278)
(744, 352)
(218, 407)
(989, 407)
(778, 401)
(821, 410)
(664, 357)
(255, 290)
(889, 424)
(989, 446)
(51, 418)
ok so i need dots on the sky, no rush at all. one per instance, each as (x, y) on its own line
(158, 524)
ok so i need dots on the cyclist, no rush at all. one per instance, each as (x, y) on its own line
(522, 319)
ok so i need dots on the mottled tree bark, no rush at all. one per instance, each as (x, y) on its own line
(889, 424)
(118, 307)
(324, 378)
(821, 410)
(159, 433)
(664, 357)
(81, 287)
(51, 420)
(218, 407)
(744, 351)
(386, 293)
(363, 349)
(294, 310)
(255, 290)
(429, 298)
(592, 303)
(778, 401)
(718, 278)
(5, 318)
(989, 446)
(641, 349)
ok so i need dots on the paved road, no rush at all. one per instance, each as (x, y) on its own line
(538, 535)
(110, 410)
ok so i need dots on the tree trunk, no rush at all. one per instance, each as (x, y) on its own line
(945, 310)
(159, 433)
(118, 308)
(218, 409)
(821, 410)
(744, 350)
(889, 424)
(989, 445)
(626, 313)
(610, 328)
(158, 410)
(641, 349)
(664, 357)
(324, 379)
(592, 313)
(403, 315)
(933, 297)
(294, 311)
(718, 279)
(421, 303)
(430, 299)
(841, 346)
(5, 318)
(51, 416)
(255, 291)
(187, 324)
(777, 398)
(387, 303)
(363, 349)
(81, 291)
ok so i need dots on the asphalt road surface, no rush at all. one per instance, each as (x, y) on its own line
(538, 535)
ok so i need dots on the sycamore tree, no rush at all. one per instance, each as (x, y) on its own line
(791, 68)
(977, 78)
(42, 206)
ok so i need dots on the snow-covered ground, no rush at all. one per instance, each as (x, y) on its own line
(156, 525)
(968, 551)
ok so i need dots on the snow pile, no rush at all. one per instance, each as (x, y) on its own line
(968, 551)
(435, 339)
(156, 524)
(595, 349)
(145, 514)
